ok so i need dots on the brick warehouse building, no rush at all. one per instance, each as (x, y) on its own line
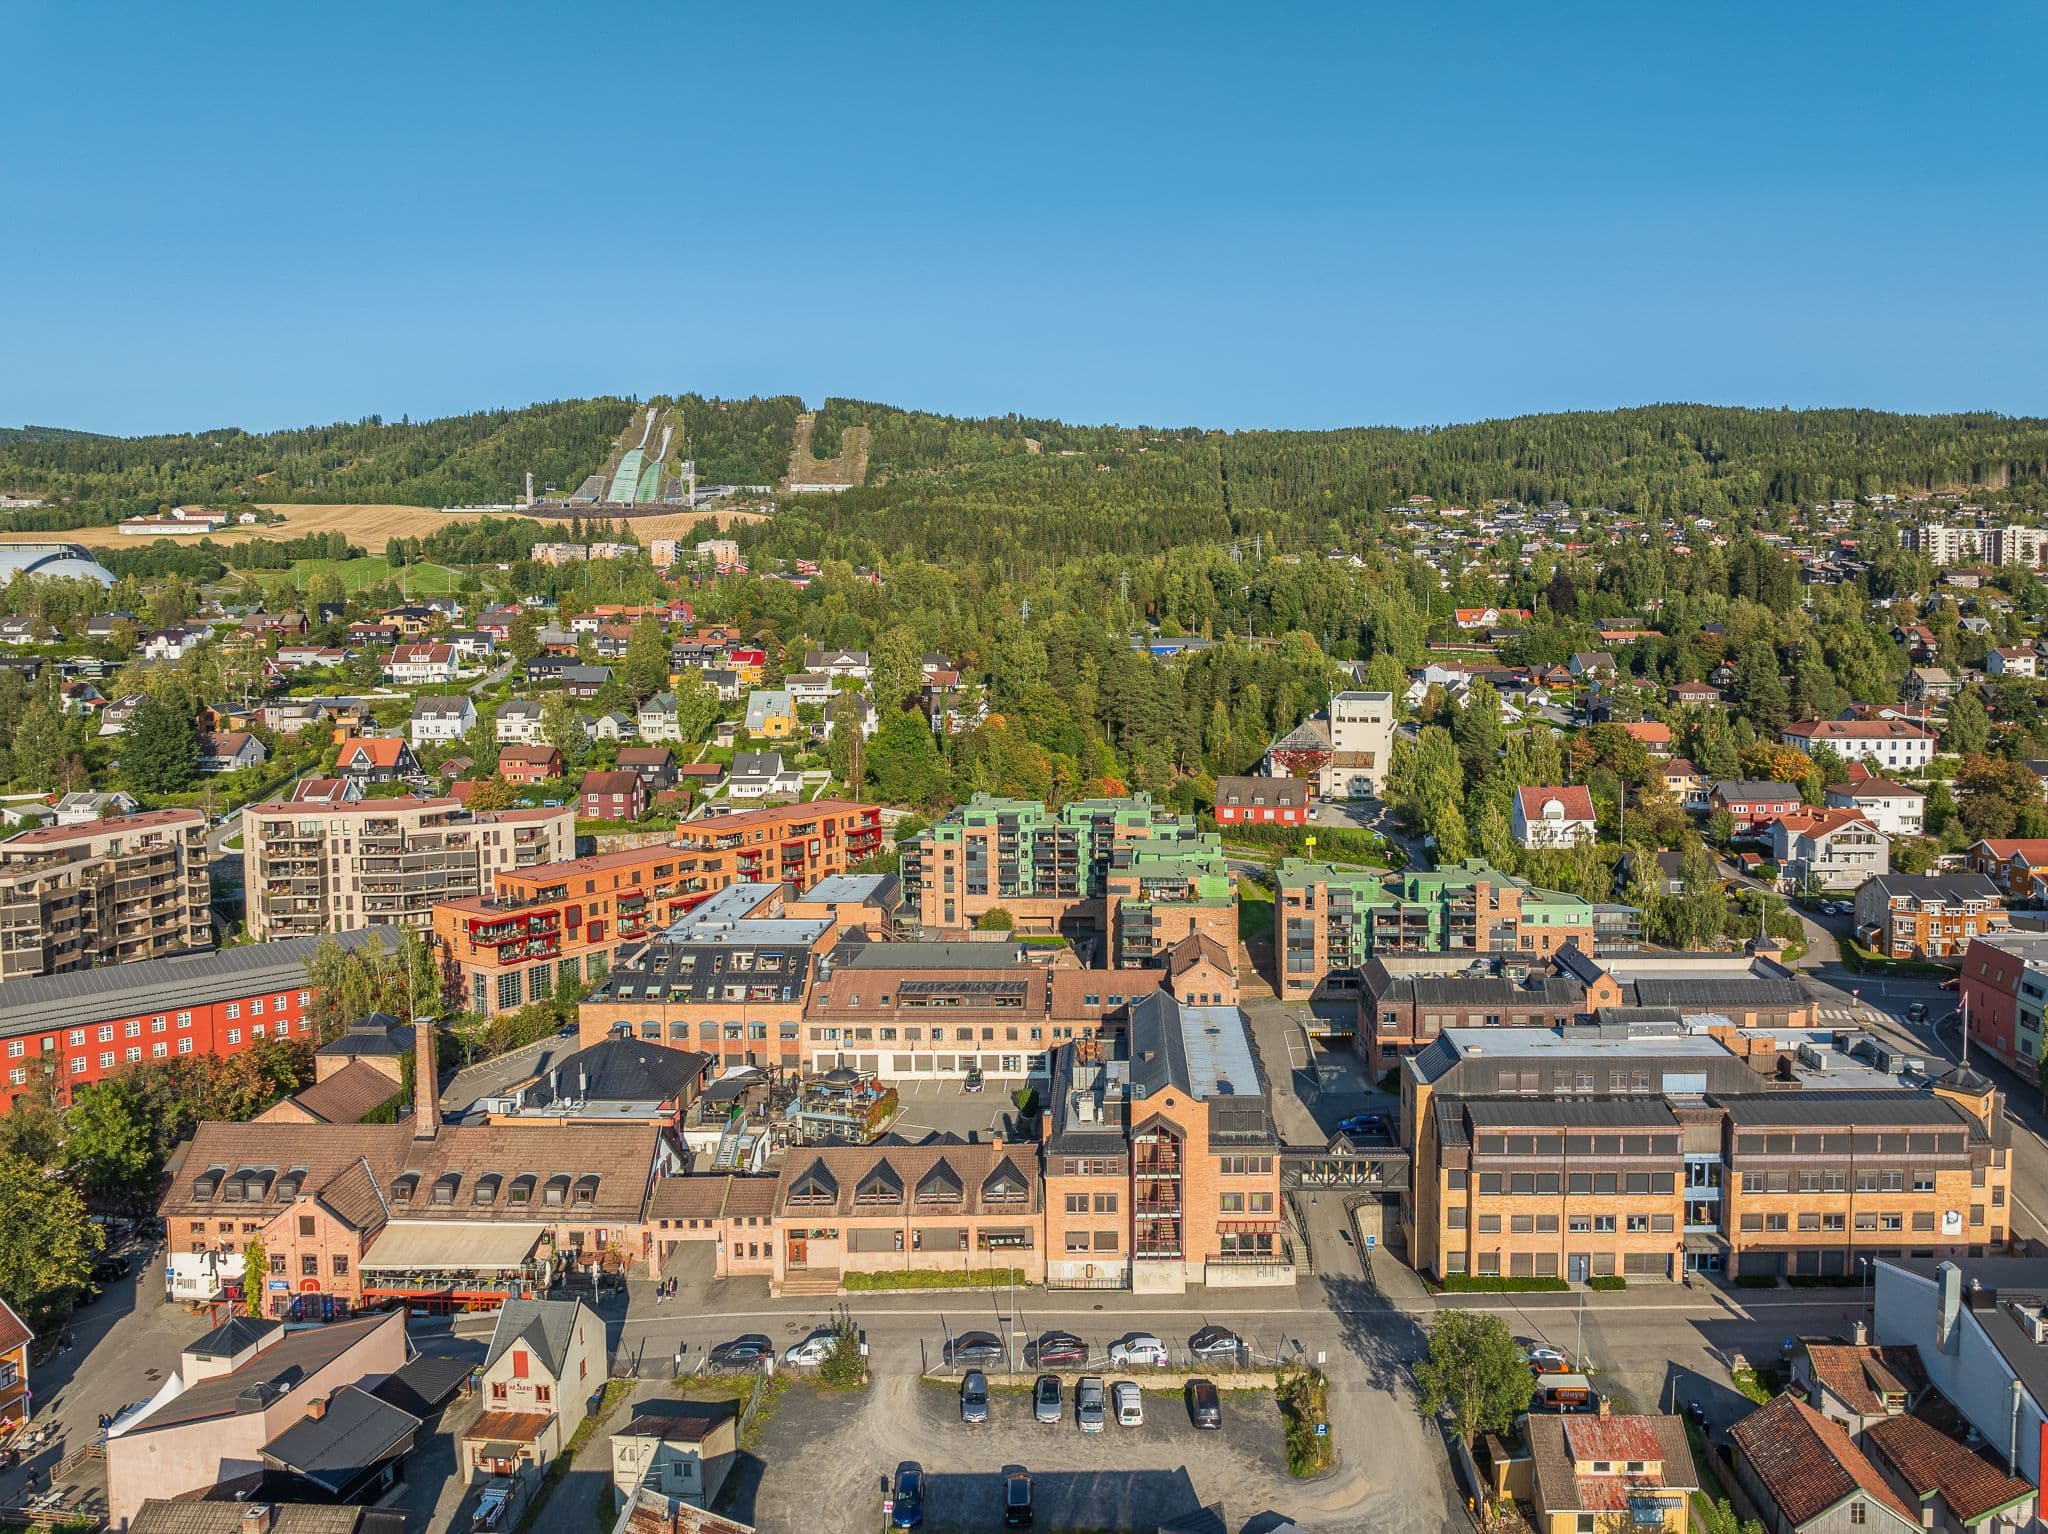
(571, 917)
(80, 1028)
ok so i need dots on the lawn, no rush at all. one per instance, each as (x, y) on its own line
(1254, 910)
(415, 580)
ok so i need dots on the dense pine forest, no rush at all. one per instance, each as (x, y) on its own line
(1015, 488)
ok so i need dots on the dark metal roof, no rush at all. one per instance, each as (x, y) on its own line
(1843, 1109)
(621, 1070)
(167, 985)
(1936, 886)
(1700, 993)
(1550, 992)
(231, 1336)
(1572, 1113)
(546, 1326)
(375, 1033)
(337, 1449)
(424, 1383)
(296, 1356)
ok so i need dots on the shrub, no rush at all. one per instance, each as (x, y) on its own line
(844, 1368)
(1606, 1281)
(1304, 1397)
(1756, 1281)
(934, 1278)
(1472, 1283)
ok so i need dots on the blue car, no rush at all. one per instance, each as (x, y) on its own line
(1362, 1124)
(907, 1497)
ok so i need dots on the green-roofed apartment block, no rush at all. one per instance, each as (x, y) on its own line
(1132, 874)
(1331, 922)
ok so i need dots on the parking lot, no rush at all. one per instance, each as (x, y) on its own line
(947, 1107)
(824, 1467)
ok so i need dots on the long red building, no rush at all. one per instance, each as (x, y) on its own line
(73, 1030)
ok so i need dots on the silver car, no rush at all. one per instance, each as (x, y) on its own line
(1089, 1402)
(1045, 1399)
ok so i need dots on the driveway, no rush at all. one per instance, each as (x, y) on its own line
(112, 1353)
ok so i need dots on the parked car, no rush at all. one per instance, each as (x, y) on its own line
(974, 1348)
(973, 1082)
(1140, 1350)
(1045, 1399)
(814, 1349)
(906, 1497)
(109, 1270)
(974, 1396)
(742, 1352)
(1129, 1402)
(1088, 1403)
(1057, 1348)
(1215, 1342)
(1362, 1124)
(1205, 1407)
(1016, 1497)
(1548, 1361)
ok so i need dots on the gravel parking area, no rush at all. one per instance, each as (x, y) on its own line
(825, 1458)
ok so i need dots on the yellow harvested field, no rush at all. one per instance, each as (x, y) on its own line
(369, 526)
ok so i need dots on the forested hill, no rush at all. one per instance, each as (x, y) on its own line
(1014, 488)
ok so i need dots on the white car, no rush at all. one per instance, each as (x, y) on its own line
(1130, 1405)
(814, 1349)
(1140, 1350)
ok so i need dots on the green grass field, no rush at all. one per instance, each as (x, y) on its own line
(416, 580)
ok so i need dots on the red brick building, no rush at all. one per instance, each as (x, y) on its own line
(74, 1030)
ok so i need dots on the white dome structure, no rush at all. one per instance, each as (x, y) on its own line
(60, 561)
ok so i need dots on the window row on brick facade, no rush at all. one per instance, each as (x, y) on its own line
(1553, 1183)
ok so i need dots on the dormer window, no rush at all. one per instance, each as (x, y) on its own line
(584, 1194)
(879, 1185)
(445, 1186)
(941, 1185)
(404, 1187)
(486, 1192)
(521, 1193)
(1005, 1185)
(815, 1186)
(207, 1183)
(557, 1190)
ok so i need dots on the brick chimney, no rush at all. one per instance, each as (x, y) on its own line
(258, 1518)
(426, 1082)
(316, 1409)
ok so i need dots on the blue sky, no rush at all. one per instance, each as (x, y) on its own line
(1246, 215)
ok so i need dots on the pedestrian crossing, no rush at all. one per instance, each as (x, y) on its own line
(1843, 1014)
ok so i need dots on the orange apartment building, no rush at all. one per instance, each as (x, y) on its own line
(1579, 1153)
(1162, 1160)
(570, 917)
